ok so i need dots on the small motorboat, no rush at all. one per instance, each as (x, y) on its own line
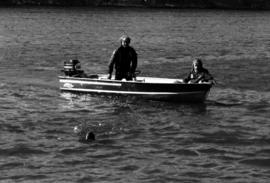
(153, 88)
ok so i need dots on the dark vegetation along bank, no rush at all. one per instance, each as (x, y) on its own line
(221, 4)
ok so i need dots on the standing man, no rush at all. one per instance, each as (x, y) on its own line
(124, 60)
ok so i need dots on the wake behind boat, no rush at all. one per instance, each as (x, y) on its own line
(153, 88)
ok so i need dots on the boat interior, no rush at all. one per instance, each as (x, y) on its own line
(145, 79)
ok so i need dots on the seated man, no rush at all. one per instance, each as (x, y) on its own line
(124, 60)
(198, 73)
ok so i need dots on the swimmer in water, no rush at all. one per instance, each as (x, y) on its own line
(85, 135)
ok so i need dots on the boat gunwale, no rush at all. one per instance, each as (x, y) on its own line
(137, 82)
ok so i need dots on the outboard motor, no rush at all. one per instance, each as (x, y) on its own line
(72, 68)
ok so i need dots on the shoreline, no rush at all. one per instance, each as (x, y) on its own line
(144, 4)
(132, 7)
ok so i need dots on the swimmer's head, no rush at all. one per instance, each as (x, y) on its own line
(90, 136)
(85, 135)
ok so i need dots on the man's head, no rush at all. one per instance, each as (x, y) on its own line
(125, 41)
(197, 64)
(84, 133)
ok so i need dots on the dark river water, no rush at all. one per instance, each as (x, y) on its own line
(226, 139)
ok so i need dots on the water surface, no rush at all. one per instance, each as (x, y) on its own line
(224, 140)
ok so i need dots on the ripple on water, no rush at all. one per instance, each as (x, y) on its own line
(12, 165)
(12, 128)
(21, 150)
(24, 178)
(259, 162)
(186, 152)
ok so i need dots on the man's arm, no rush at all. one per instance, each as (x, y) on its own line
(207, 76)
(188, 78)
(111, 64)
(134, 61)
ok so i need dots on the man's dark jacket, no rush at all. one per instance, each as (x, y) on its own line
(124, 59)
(196, 77)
